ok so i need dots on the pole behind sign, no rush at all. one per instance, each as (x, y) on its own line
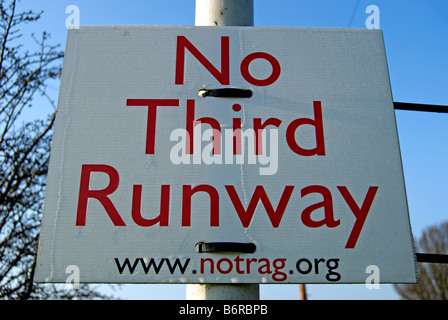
(223, 13)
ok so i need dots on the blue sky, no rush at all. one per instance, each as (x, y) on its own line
(415, 34)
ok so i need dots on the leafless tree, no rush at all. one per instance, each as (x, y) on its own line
(433, 277)
(24, 155)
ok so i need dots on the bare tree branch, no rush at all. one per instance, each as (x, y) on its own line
(433, 277)
(24, 156)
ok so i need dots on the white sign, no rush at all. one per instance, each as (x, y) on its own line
(225, 155)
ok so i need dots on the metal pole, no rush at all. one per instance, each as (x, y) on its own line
(223, 13)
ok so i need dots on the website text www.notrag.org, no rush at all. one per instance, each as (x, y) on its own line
(275, 268)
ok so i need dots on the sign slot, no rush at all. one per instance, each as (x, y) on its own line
(225, 93)
(204, 247)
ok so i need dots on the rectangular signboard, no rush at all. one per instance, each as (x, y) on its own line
(225, 155)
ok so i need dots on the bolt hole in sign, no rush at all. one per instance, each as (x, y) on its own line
(225, 155)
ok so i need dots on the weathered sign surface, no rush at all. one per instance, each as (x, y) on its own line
(225, 155)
